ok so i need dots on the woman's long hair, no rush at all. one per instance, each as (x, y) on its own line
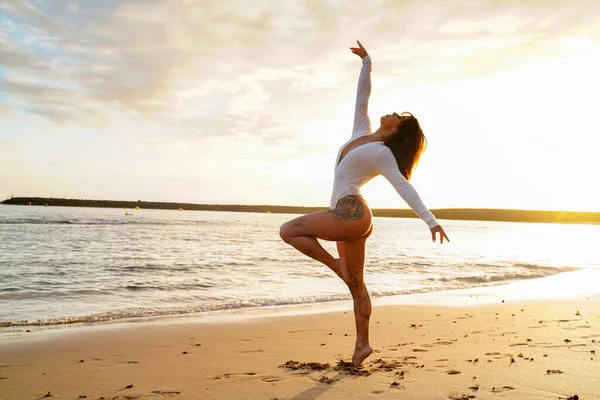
(407, 143)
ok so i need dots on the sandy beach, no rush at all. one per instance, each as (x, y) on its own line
(519, 349)
(184, 183)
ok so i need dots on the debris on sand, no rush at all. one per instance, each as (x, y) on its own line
(388, 366)
(305, 365)
(460, 396)
(349, 369)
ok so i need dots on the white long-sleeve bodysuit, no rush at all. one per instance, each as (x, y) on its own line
(368, 160)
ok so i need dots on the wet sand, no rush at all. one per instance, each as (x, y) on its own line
(525, 349)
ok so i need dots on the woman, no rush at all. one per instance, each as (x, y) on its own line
(393, 151)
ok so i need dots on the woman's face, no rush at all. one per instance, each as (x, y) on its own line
(391, 121)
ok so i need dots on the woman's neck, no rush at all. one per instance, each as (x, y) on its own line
(381, 134)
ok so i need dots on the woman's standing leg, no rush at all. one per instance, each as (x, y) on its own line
(353, 251)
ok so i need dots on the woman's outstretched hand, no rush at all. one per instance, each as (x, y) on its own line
(359, 51)
(438, 229)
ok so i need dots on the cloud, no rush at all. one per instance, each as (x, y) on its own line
(6, 145)
(222, 69)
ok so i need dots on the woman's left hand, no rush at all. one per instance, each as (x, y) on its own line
(360, 50)
(438, 229)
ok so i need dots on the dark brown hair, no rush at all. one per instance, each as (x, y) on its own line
(407, 144)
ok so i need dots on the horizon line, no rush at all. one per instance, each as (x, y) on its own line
(29, 198)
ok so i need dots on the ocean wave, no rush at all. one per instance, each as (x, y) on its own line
(92, 222)
(100, 221)
(132, 270)
(490, 275)
(506, 274)
(161, 312)
(33, 221)
(26, 294)
(464, 282)
(168, 288)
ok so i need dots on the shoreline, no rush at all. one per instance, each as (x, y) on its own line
(457, 214)
(565, 286)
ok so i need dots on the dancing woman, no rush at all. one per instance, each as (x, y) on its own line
(393, 151)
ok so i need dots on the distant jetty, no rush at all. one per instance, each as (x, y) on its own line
(472, 214)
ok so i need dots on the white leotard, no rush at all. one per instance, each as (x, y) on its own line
(368, 160)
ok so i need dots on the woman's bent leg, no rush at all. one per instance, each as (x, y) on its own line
(350, 220)
(310, 246)
(354, 253)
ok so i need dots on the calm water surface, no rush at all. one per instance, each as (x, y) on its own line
(62, 264)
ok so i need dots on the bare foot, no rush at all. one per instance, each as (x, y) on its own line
(340, 269)
(360, 355)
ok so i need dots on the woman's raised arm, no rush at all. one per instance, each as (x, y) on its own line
(362, 123)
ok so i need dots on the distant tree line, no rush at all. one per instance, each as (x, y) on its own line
(450, 213)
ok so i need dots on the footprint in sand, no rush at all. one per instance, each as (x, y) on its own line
(502, 389)
(271, 378)
(161, 394)
(393, 386)
(576, 327)
(306, 330)
(235, 374)
(460, 396)
(249, 351)
(156, 394)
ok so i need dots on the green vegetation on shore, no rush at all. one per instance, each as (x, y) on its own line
(452, 213)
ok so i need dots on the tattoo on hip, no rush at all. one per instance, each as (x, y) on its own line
(348, 208)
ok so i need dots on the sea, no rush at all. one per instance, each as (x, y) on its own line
(65, 265)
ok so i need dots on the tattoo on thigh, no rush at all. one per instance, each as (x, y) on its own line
(348, 208)
(298, 222)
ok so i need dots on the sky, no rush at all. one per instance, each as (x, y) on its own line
(248, 102)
